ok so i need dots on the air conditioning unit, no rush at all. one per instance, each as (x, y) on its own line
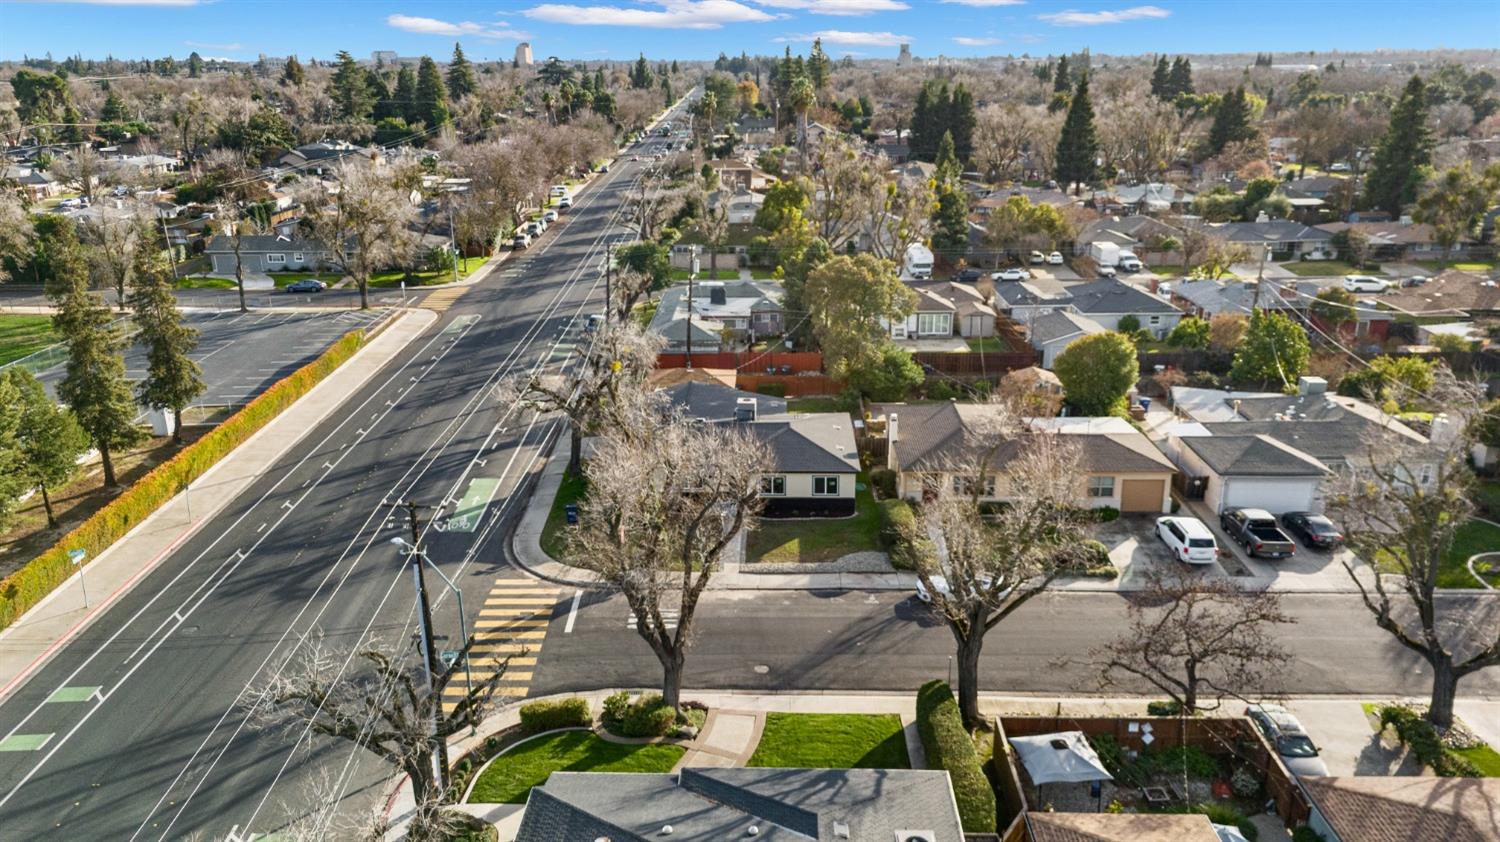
(916, 836)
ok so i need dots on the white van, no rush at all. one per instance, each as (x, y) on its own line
(1188, 539)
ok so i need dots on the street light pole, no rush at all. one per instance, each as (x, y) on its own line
(463, 621)
(425, 609)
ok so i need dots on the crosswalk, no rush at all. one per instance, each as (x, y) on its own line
(442, 299)
(669, 618)
(512, 624)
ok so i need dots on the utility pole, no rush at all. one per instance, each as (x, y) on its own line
(425, 608)
(692, 279)
(609, 265)
(1260, 277)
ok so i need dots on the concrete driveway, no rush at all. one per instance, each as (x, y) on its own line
(1348, 742)
(1136, 551)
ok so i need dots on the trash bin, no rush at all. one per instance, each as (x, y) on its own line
(571, 510)
(1145, 404)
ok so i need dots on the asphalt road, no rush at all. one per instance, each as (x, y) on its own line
(21, 294)
(139, 729)
(860, 641)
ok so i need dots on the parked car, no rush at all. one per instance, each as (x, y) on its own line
(1107, 272)
(1130, 263)
(940, 584)
(1315, 531)
(1014, 273)
(604, 168)
(1055, 258)
(565, 202)
(968, 276)
(306, 285)
(559, 190)
(520, 240)
(1365, 283)
(535, 228)
(1257, 531)
(1188, 539)
(549, 217)
(635, 157)
(1415, 281)
(1289, 738)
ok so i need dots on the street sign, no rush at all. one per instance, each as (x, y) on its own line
(77, 556)
(449, 656)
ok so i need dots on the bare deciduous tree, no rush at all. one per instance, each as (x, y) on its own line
(364, 225)
(16, 231)
(113, 240)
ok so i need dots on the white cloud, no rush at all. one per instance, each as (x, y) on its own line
(205, 45)
(850, 8)
(433, 26)
(1075, 18)
(985, 4)
(673, 14)
(975, 42)
(851, 39)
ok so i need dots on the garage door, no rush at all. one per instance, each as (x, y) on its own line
(1142, 495)
(1273, 495)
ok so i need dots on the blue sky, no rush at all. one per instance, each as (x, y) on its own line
(695, 29)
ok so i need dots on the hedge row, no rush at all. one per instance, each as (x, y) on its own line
(574, 712)
(897, 523)
(27, 586)
(1422, 739)
(949, 747)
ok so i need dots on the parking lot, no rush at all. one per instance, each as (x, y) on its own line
(243, 354)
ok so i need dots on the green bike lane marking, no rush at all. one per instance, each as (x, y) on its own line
(470, 509)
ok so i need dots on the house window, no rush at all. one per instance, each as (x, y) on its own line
(1424, 479)
(773, 486)
(297, 256)
(1156, 320)
(275, 258)
(1101, 486)
(934, 324)
(825, 486)
(964, 486)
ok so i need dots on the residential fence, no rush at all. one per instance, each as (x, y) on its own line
(988, 364)
(788, 385)
(750, 362)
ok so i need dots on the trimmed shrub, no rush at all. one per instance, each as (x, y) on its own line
(897, 521)
(647, 716)
(884, 481)
(26, 587)
(537, 717)
(949, 747)
(1225, 814)
(1105, 514)
(1245, 782)
(1419, 736)
(1168, 708)
(614, 707)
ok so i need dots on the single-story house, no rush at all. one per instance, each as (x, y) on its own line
(1410, 809)
(1132, 232)
(743, 204)
(1022, 302)
(944, 309)
(1108, 300)
(267, 253)
(1399, 240)
(1123, 469)
(1451, 293)
(1154, 197)
(717, 403)
(772, 805)
(735, 174)
(746, 310)
(35, 184)
(1285, 237)
(1251, 470)
(1051, 333)
(1206, 299)
(1317, 186)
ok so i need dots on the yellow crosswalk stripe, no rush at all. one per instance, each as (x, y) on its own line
(509, 632)
(516, 661)
(520, 600)
(457, 687)
(443, 299)
(505, 635)
(512, 623)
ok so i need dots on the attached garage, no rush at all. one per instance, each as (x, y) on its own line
(1253, 471)
(1142, 495)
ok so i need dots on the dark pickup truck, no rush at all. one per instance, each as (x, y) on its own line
(1257, 531)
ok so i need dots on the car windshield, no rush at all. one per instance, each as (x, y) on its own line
(1296, 746)
(1201, 543)
(1322, 527)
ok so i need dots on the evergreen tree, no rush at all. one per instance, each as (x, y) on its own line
(350, 89)
(818, 66)
(195, 65)
(172, 379)
(675, 70)
(1232, 123)
(47, 437)
(1403, 153)
(380, 94)
(1077, 147)
(432, 94)
(961, 122)
(1274, 351)
(74, 131)
(292, 73)
(113, 110)
(1181, 77)
(641, 77)
(461, 80)
(1062, 77)
(950, 219)
(406, 95)
(94, 384)
(1161, 79)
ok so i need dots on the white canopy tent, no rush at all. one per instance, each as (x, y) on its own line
(1064, 757)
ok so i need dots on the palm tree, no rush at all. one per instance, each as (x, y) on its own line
(804, 96)
(565, 96)
(707, 106)
(549, 103)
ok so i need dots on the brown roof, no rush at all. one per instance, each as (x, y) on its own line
(1386, 233)
(1120, 827)
(1384, 809)
(1452, 292)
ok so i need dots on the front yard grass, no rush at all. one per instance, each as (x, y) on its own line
(555, 533)
(705, 275)
(205, 283)
(1327, 268)
(1472, 538)
(831, 741)
(815, 540)
(510, 777)
(24, 335)
(1435, 266)
(1482, 756)
(427, 277)
(989, 344)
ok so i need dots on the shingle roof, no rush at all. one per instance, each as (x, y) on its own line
(1047, 328)
(820, 442)
(1119, 827)
(1406, 809)
(717, 804)
(261, 243)
(1450, 292)
(717, 402)
(1250, 454)
(1109, 296)
(1272, 231)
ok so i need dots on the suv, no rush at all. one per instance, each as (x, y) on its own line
(1188, 539)
(1364, 283)
(565, 202)
(520, 240)
(1286, 735)
(968, 276)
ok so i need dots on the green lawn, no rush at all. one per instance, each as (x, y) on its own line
(1486, 758)
(831, 741)
(816, 404)
(205, 283)
(1488, 498)
(554, 534)
(509, 779)
(705, 275)
(1327, 268)
(1168, 271)
(1462, 265)
(1473, 537)
(23, 335)
(427, 277)
(813, 540)
(989, 344)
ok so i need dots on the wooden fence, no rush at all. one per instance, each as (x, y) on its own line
(789, 385)
(768, 362)
(985, 365)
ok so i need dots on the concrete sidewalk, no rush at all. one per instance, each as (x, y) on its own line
(27, 644)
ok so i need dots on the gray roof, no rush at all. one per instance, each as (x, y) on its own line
(716, 402)
(1244, 453)
(1271, 231)
(259, 243)
(1047, 328)
(821, 442)
(1023, 294)
(709, 805)
(1110, 296)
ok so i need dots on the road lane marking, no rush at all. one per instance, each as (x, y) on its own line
(573, 611)
(470, 509)
(25, 742)
(73, 694)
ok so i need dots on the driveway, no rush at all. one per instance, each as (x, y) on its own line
(1307, 570)
(1346, 737)
(1136, 551)
(1054, 273)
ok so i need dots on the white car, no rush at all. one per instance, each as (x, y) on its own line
(550, 216)
(940, 584)
(1188, 539)
(559, 190)
(1037, 258)
(1055, 258)
(1365, 283)
(1131, 264)
(1107, 272)
(1287, 736)
(1011, 274)
(520, 240)
(565, 202)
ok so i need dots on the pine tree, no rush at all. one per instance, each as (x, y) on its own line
(406, 96)
(432, 94)
(1406, 148)
(292, 73)
(172, 379)
(114, 109)
(1161, 79)
(1232, 122)
(350, 89)
(1061, 78)
(47, 437)
(1181, 77)
(818, 65)
(961, 122)
(195, 65)
(675, 70)
(640, 77)
(461, 80)
(380, 94)
(94, 384)
(1077, 147)
(950, 219)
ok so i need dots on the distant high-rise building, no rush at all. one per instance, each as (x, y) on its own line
(904, 58)
(523, 54)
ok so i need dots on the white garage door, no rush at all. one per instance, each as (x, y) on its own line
(1273, 495)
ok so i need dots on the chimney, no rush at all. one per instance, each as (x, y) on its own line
(892, 433)
(1307, 385)
(745, 410)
